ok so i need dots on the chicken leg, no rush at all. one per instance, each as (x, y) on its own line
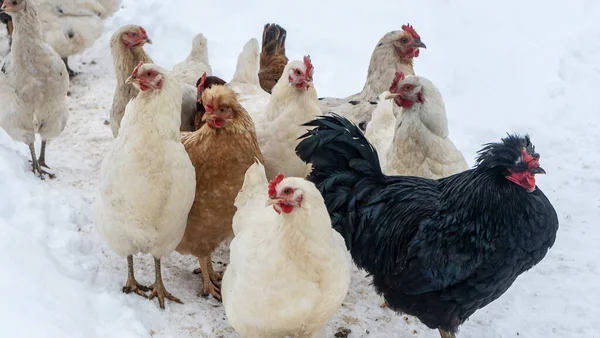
(446, 334)
(69, 70)
(210, 285)
(42, 159)
(216, 277)
(37, 169)
(132, 285)
(158, 288)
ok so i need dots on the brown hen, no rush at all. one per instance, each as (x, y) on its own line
(221, 152)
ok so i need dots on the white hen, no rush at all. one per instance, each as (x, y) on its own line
(147, 179)
(394, 52)
(420, 146)
(289, 271)
(245, 81)
(71, 26)
(293, 102)
(37, 84)
(191, 69)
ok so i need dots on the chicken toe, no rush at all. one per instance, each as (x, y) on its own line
(132, 285)
(210, 285)
(158, 288)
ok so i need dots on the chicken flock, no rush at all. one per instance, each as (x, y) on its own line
(305, 187)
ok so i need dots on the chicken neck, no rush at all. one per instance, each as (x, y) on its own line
(26, 31)
(132, 285)
(382, 68)
(158, 288)
(126, 59)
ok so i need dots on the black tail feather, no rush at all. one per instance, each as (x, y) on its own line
(336, 146)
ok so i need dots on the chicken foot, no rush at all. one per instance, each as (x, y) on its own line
(132, 285)
(69, 70)
(158, 288)
(216, 277)
(210, 285)
(446, 334)
(37, 169)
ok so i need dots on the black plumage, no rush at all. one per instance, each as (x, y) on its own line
(437, 249)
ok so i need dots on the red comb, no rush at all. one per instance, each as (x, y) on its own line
(202, 82)
(143, 31)
(410, 30)
(309, 67)
(273, 185)
(394, 87)
(137, 69)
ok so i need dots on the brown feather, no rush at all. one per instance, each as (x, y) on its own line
(272, 57)
(221, 158)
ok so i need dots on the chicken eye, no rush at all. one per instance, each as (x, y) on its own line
(134, 34)
(148, 73)
(14, 2)
(298, 72)
(287, 191)
(404, 40)
(407, 87)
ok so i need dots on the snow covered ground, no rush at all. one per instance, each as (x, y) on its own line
(509, 66)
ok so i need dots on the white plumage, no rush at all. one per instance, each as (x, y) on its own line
(196, 63)
(420, 145)
(146, 187)
(289, 273)
(245, 81)
(280, 125)
(36, 81)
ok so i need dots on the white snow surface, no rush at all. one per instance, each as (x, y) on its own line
(509, 66)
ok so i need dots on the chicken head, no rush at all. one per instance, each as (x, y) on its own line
(284, 196)
(135, 36)
(406, 42)
(220, 104)
(12, 6)
(145, 77)
(406, 91)
(300, 75)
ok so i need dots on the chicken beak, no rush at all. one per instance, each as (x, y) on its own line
(392, 96)
(131, 80)
(148, 41)
(538, 170)
(272, 201)
(419, 44)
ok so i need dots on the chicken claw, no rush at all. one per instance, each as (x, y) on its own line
(158, 288)
(36, 165)
(132, 285)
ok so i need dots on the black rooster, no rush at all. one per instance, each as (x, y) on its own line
(437, 249)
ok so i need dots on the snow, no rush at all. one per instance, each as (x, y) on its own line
(529, 67)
